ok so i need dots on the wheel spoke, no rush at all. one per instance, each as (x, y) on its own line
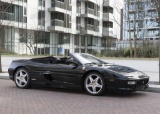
(94, 89)
(98, 85)
(20, 72)
(17, 78)
(20, 82)
(88, 85)
(24, 75)
(91, 79)
(96, 80)
(24, 81)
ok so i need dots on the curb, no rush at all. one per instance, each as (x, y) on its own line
(152, 89)
(4, 77)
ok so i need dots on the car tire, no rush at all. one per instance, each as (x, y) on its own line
(94, 84)
(22, 78)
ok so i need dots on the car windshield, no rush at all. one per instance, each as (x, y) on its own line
(88, 59)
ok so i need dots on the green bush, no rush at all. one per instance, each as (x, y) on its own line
(7, 52)
(113, 53)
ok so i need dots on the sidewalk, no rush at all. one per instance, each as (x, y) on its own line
(153, 86)
(4, 75)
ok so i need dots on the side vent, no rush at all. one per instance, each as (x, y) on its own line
(48, 77)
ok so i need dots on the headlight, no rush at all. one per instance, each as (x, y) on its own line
(131, 82)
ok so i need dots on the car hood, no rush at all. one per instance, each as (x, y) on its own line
(126, 71)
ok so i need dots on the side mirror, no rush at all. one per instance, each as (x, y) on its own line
(71, 61)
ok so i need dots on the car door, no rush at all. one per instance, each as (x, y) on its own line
(63, 73)
(36, 70)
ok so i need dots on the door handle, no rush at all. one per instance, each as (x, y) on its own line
(47, 72)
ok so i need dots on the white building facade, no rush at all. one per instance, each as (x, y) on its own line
(57, 27)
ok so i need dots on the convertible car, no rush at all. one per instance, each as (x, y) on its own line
(80, 70)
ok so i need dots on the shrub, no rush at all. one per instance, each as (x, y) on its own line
(7, 52)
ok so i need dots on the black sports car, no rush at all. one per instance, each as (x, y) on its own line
(77, 70)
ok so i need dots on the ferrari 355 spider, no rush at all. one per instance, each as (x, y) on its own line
(78, 70)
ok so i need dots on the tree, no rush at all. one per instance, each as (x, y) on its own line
(135, 13)
(31, 39)
(5, 9)
(156, 4)
(126, 16)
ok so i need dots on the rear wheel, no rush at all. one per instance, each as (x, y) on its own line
(22, 78)
(94, 84)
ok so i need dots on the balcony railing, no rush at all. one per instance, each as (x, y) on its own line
(106, 31)
(7, 16)
(58, 4)
(106, 3)
(57, 22)
(91, 28)
(90, 11)
(41, 22)
(151, 35)
(106, 16)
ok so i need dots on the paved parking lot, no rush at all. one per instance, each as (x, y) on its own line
(46, 100)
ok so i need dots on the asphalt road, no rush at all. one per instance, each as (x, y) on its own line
(46, 100)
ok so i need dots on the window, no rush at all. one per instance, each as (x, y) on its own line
(70, 21)
(82, 41)
(64, 39)
(24, 11)
(41, 17)
(70, 2)
(108, 24)
(89, 41)
(42, 3)
(61, 0)
(76, 40)
(107, 9)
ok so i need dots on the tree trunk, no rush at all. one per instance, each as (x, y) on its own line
(0, 51)
(130, 42)
(159, 49)
(0, 59)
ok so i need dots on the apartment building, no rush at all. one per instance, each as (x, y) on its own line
(57, 27)
(143, 20)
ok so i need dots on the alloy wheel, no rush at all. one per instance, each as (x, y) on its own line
(94, 84)
(22, 78)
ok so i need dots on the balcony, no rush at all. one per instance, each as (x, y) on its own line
(58, 6)
(151, 35)
(108, 3)
(108, 17)
(56, 25)
(93, 1)
(108, 32)
(41, 22)
(7, 16)
(90, 13)
(90, 30)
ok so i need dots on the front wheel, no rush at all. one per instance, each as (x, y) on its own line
(22, 78)
(94, 84)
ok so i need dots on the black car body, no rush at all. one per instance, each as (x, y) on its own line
(77, 70)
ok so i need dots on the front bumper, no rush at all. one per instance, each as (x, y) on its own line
(122, 85)
(136, 88)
